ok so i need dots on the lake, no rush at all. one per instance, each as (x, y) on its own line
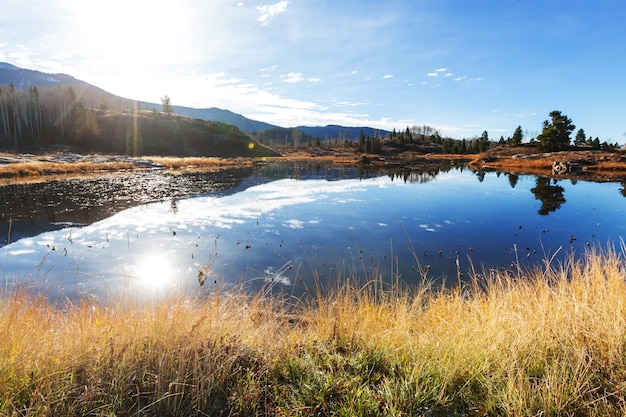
(292, 228)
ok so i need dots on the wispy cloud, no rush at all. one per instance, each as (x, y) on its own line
(439, 71)
(270, 10)
(385, 77)
(293, 77)
(296, 77)
(350, 104)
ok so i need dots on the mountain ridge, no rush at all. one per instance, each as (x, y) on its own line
(23, 79)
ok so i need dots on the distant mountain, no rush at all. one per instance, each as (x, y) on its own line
(215, 114)
(24, 78)
(342, 132)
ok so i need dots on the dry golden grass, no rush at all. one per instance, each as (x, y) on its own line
(549, 341)
(516, 164)
(37, 168)
(199, 162)
(46, 169)
(609, 166)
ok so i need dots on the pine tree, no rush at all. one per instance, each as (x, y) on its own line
(556, 132)
(580, 138)
(166, 102)
(517, 136)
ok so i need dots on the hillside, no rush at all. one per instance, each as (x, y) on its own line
(95, 97)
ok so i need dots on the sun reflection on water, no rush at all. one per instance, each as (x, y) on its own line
(154, 273)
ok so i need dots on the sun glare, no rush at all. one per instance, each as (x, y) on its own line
(141, 32)
(154, 273)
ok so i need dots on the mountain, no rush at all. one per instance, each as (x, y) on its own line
(342, 132)
(218, 115)
(24, 78)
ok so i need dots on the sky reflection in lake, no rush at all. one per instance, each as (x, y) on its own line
(295, 232)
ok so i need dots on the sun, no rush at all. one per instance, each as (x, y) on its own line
(154, 273)
(126, 32)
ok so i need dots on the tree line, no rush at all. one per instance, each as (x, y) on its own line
(76, 116)
(39, 117)
(35, 119)
(556, 135)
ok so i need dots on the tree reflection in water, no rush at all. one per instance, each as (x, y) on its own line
(551, 196)
(513, 179)
(622, 190)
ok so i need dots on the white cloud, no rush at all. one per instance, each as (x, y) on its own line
(293, 77)
(270, 10)
(296, 77)
(438, 71)
(387, 76)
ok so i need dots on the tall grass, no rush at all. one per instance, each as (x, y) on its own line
(548, 341)
(35, 168)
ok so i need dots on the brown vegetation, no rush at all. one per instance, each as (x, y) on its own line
(51, 166)
(528, 159)
(548, 342)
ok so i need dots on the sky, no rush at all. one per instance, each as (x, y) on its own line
(460, 66)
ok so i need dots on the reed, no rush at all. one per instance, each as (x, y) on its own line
(41, 167)
(38, 168)
(544, 341)
(199, 162)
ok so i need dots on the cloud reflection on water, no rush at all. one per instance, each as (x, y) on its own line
(315, 227)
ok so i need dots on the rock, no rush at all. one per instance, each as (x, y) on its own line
(560, 168)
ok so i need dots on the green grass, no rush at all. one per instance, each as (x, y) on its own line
(548, 341)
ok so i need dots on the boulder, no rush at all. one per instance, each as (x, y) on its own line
(560, 168)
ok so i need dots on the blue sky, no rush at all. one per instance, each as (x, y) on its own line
(460, 66)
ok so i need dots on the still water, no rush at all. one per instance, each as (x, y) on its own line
(291, 228)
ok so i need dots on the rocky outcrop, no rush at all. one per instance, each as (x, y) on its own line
(565, 167)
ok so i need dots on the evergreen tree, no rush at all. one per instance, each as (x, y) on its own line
(517, 136)
(483, 142)
(167, 105)
(580, 138)
(556, 132)
(361, 141)
(376, 145)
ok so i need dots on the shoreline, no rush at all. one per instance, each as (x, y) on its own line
(600, 166)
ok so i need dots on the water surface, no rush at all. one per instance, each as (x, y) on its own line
(297, 227)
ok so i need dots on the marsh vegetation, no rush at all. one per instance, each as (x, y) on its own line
(546, 341)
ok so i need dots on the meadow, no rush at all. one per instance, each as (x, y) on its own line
(546, 341)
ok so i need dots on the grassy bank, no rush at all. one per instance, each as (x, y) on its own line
(45, 168)
(549, 342)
